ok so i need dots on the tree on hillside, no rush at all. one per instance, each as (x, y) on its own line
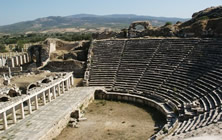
(19, 46)
(168, 23)
(2, 48)
(10, 47)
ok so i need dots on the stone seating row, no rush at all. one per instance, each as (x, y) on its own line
(201, 120)
(104, 63)
(179, 70)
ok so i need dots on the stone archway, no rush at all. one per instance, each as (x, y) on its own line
(31, 86)
(134, 32)
(46, 80)
(145, 24)
(35, 53)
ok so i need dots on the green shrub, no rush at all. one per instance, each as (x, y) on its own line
(37, 37)
(204, 18)
(2, 48)
(19, 46)
(175, 89)
(165, 130)
(10, 47)
(168, 23)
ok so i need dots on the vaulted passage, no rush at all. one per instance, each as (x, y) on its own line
(36, 52)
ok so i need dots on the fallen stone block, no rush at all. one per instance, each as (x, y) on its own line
(73, 120)
(82, 119)
(75, 114)
(73, 124)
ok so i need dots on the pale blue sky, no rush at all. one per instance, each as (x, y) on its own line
(12, 11)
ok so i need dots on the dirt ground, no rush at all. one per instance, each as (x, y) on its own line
(78, 82)
(23, 81)
(108, 120)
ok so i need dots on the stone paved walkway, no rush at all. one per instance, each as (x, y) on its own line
(41, 121)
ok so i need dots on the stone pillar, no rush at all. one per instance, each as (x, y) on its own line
(36, 102)
(72, 80)
(27, 57)
(5, 123)
(2, 60)
(24, 58)
(9, 72)
(12, 61)
(63, 87)
(67, 84)
(49, 95)
(58, 89)
(43, 97)
(16, 61)
(54, 92)
(20, 60)
(30, 106)
(69, 80)
(22, 111)
(14, 115)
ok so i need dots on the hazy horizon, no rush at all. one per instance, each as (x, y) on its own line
(13, 11)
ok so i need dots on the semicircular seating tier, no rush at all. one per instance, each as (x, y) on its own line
(183, 74)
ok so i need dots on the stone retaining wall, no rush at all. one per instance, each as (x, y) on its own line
(62, 123)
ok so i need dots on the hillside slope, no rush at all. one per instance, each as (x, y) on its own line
(82, 21)
(205, 23)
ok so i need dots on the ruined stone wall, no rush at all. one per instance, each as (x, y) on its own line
(52, 47)
(77, 67)
(69, 56)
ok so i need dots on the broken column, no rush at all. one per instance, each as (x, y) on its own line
(2, 60)
(7, 79)
(9, 73)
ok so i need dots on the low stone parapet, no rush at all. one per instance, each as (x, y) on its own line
(171, 117)
(46, 94)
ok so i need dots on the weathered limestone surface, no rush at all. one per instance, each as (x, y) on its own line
(145, 24)
(147, 67)
(211, 131)
(14, 60)
(49, 120)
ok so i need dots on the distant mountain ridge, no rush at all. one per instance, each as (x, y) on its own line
(88, 21)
